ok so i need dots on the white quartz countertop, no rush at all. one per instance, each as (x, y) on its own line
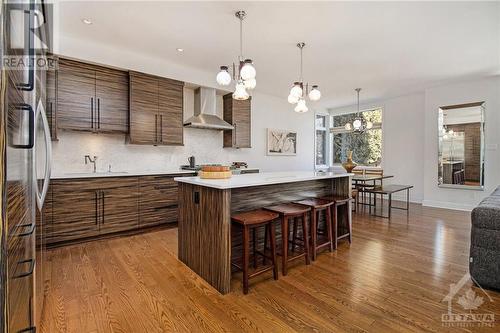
(263, 178)
(70, 175)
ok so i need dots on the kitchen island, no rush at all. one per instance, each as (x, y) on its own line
(206, 205)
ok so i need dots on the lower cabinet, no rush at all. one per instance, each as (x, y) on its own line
(86, 208)
(158, 200)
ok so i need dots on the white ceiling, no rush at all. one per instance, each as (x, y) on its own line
(387, 48)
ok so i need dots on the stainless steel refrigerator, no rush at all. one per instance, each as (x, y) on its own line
(25, 150)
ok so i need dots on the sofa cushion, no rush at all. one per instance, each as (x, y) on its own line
(487, 214)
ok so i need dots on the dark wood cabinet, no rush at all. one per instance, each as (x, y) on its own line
(118, 204)
(91, 98)
(157, 200)
(89, 208)
(156, 110)
(238, 114)
(75, 205)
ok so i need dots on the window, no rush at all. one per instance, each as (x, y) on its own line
(322, 134)
(366, 147)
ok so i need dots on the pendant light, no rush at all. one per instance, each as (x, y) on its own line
(358, 125)
(299, 91)
(245, 75)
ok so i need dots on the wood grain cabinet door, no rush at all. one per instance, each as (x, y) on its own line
(143, 109)
(119, 205)
(75, 208)
(112, 100)
(76, 105)
(170, 111)
(157, 200)
(238, 114)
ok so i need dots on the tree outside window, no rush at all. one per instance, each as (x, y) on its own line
(366, 147)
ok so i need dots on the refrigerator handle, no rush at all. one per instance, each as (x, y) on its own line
(48, 157)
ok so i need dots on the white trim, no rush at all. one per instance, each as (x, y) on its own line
(328, 152)
(448, 205)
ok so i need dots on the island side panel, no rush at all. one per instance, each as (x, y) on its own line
(205, 233)
(247, 198)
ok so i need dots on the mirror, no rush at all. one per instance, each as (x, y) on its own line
(461, 146)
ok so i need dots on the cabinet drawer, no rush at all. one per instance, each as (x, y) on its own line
(157, 200)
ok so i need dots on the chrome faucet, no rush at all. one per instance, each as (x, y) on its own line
(88, 160)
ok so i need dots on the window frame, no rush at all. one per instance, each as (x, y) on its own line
(328, 136)
(376, 126)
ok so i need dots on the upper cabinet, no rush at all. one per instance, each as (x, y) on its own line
(237, 113)
(91, 98)
(156, 110)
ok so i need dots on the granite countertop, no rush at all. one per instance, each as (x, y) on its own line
(264, 178)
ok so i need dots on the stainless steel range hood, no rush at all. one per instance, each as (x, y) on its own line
(205, 115)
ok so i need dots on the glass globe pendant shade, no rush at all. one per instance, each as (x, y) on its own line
(348, 126)
(248, 72)
(314, 94)
(223, 77)
(296, 90)
(369, 125)
(356, 124)
(292, 99)
(250, 84)
(301, 106)
(240, 93)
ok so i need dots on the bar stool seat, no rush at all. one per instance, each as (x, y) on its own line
(337, 202)
(318, 205)
(250, 221)
(288, 212)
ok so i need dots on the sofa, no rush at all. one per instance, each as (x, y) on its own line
(484, 260)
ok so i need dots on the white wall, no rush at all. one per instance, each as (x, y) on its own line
(410, 141)
(206, 145)
(402, 146)
(487, 90)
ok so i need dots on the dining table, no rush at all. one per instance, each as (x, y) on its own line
(360, 182)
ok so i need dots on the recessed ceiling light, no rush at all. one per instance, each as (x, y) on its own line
(86, 21)
(180, 49)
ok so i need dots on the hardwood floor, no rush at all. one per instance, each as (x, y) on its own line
(392, 278)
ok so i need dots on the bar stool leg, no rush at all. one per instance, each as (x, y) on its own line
(254, 247)
(272, 232)
(265, 244)
(334, 226)
(294, 236)
(314, 232)
(349, 220)
(306, 238)
(246, 240)
(284, 239)
(328, 223)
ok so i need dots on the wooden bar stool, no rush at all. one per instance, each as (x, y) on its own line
(317, 206)
(250, 221)
(291, 212)
(340, 201)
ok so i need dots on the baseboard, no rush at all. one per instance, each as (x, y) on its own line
(402, 197)
(448, 205)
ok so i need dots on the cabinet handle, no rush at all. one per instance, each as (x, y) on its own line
(161, 128)
(98, 113)
(96, 208)
(102, 207)
(156, 128)
(91, 112)
(30, 226)
(31, 267)
(235, 136)
(29, 48)
(31, 126)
